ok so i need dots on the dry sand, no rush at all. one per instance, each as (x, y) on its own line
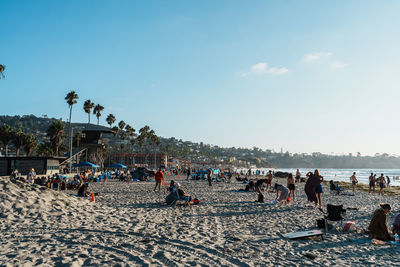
(130, 225)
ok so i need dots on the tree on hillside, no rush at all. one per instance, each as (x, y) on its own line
(87, 107)
(97, 111)
(18, 140)
(30, 143)
(110, 120)
(2, 69)
(56, 135)
(6, 136)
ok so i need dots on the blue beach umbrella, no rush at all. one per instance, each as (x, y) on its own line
(117, 165)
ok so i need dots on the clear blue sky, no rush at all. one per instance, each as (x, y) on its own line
(302, 75)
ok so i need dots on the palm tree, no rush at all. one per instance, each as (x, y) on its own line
(71, 100)
(2, 69)
(87, 107)
(6, 136)
(45, 149)
(56, 135)
(77, 138)
(30, 143)
(121, 125)
(97, 111)
(110, 120)
(18, 140)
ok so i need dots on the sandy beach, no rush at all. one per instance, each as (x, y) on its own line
(130, 225)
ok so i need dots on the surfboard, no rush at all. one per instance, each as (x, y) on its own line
(297, 235)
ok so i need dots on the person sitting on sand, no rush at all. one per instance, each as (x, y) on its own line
(291, 186)
(382, 182)
(249, 187)
(371, 183)
(31, 176)
(171, 186)
(354, 181)
(396, 225)
(182, 194)
(378, 227)
(334, 187)
(83, 191)
(258, 185)
(159, 177)
(282, 192)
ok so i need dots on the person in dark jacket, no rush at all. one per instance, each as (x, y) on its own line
(378, 227)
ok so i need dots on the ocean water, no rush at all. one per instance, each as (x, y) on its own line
(343, 174)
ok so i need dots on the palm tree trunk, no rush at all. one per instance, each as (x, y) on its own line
(88, 119)
(6, 149)
(70, 132)
(98, 118)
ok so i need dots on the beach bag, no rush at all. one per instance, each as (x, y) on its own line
(349, 226)
(260, 198)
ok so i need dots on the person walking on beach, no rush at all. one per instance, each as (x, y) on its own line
(354, 181)
(371, 183)
(291, 186)
(388, 181)
(382, 183)
(188, 174)
(159, 177)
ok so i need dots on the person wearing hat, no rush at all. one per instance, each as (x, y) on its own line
(378, 227)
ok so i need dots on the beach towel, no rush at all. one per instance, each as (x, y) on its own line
(310, 187)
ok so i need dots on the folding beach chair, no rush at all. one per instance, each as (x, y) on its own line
(334, 214)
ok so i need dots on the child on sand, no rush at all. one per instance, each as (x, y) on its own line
(291, 186)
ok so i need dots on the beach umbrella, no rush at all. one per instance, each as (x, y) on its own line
(117, 165)
(86, 164)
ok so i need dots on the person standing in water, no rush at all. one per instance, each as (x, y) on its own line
(354, 181)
